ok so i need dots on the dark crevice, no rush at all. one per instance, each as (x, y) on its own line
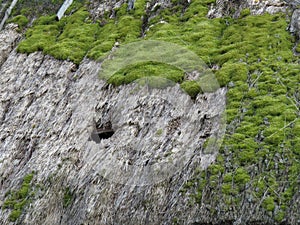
(98, 136)
(102, 131)
(144, 24)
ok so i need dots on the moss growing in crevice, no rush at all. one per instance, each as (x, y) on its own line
(68, 197)
(191, 87)
(17, 200)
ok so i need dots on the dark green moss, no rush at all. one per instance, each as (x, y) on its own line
(232, 72)
(68, 197)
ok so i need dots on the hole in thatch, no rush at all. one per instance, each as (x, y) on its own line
(104, 131)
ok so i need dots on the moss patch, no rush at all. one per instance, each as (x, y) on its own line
(148, 69)
(36, 8)
(21, 20)
(68, 197)
(17, 200)
(70, 38)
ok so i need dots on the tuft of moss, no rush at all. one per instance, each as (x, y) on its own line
(42, 35)
(191, 87)
(268, 203)
(245, 12)
(21, 20)
(14, 215)
(232, 72)
(241, 176)
(17, 200)
(147, 69)
(68, 197)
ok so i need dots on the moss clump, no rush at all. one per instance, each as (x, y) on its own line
(68, 197)
(74, 42)
(21, 20)
(148, 69)
(36, 8)
(17, 200)
(101, 49)
(268, 203)
(159, 132)
(70, 38)
(127, 29)
(42, 35)
(257, 65)
(232, 72)
(191, 87)
(245, 12)
(241, 176)
(14, 215)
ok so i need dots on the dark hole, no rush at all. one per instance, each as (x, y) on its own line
(101, 131)
(96, 136)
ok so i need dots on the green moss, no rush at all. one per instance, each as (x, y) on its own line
(298, 48)
(247, 154)
(191, 87)
(241, 176)
(23, 192)
(254, 52)
(9, 203)
(70, 38)
(68, 197)
(216, 169)
(17, 200)
(268, 203)
(226, 189)
(232, 72)
(39, 38)
(20, 205)
(251, 56)
(14, 215)
(279, 217)
(148, 69)
(21, 20)
(159, 132)
(45, 20)
(245, 12)
(33, 9)
(100, 49)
